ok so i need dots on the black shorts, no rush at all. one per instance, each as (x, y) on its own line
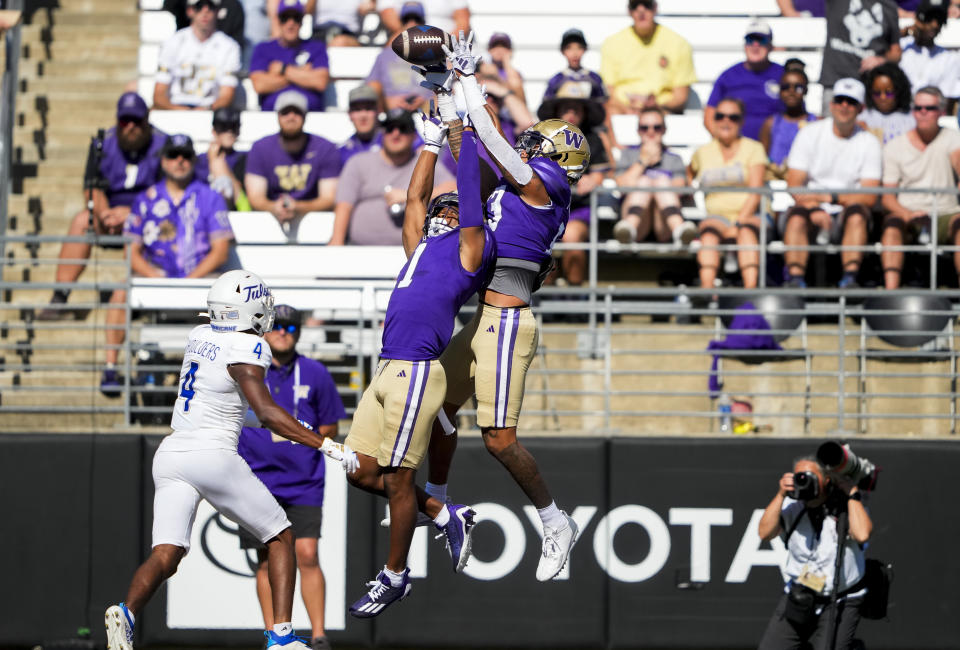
(305, 522)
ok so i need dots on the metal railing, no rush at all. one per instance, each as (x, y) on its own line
(8, 90)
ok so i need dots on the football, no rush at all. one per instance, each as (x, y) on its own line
(421, 44)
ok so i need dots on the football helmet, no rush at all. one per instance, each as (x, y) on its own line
(439, 218)
(238, 301)
(559, 141)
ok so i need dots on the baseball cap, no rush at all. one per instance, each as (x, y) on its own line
(291, 99)
(362, 94)
(286, 315)
(929, 10)
(131, 106)
(194, 3)
(500, 38)
(759, 27)
(290, 5)
(573, 36)
(226, 116)
(649, 4)
(412, 10)
(180, 143)
(849, 87)
(400, 117)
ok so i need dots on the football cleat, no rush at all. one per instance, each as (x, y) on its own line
(287, 642)
(381, 595)
(110, 384)
(423, 519)
(458, 532)
(119, 625)
(557, 544)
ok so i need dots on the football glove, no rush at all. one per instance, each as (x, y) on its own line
(342, 452)
(432, 131)
(436, 78)
(461, 57)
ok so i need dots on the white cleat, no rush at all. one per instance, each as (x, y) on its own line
(119, 628)
(557, 544)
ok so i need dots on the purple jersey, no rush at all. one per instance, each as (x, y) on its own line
(312, 52)
(294, 473)
(526, 232)
(759, 92)
(296, 175)
(176, 237)
(589, 82)
(128, 173)
(430, 290)
(236, 161)
(355, 145)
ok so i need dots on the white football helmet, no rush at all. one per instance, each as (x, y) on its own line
(238, 301)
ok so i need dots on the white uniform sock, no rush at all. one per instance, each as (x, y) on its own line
(283, 629)
(551, 516)
(437, 490)
(396, 579)
(443, 518)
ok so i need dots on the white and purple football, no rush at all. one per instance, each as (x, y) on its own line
(422, 44)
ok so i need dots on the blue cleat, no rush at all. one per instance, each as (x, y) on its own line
(288, 641)
(381, 594)
(458, 532)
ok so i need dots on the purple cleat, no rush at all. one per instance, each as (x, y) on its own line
(382, 593)
(458, 532)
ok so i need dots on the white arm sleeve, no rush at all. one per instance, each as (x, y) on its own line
(447, 107)
(499, 148)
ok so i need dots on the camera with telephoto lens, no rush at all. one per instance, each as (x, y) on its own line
(806, 486)
(840, 460)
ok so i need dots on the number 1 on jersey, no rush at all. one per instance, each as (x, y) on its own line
(186, 389)
(408, 276)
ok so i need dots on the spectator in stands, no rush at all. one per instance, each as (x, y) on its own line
(651, 165)
(573, 45)
(510, 109)
(229, 16)
(833, 154)
(646, 64)
(754, 81)
(778, 131)
(907, 8)
(294, 473)
(363, 115)
(127, 162)
(373, 187)
(575, 106)
(924, 62)
(797, 8)
(927, 156)
(291, 173)
(256, 27)
(393, 78)
(180, 230)
(953, 11)
(729, 160)
(199, 66)
(290, 63)
(222, 166)
(449, 15)
(888, 102)
(499, 61)
(860, 36)
(338, 22)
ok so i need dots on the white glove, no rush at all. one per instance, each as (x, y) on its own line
(342, 452)
(432, 131)
(461, 57)
(436, 78)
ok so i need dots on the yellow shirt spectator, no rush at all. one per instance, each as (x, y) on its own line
(711, 170)
(632, 66)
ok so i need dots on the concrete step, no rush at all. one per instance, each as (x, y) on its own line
(37, 186)
(124, 17)
(80, 119)
(107, 35)
(104, 71)
(31, 154)
(88, 50)
(46, 85)
(87, 422)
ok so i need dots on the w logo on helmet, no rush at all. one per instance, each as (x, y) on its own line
(575, 139)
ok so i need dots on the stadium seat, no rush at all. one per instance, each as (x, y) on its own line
(920, 318)
(334, 126)
(262, 228)
(156, 26)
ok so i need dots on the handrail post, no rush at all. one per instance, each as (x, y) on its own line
(841, 373)
(934, 242)
(762, 252)
(607, 359)
(594, 236)
(127, 346)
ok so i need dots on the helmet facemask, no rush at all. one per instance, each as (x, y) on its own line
(442, 215)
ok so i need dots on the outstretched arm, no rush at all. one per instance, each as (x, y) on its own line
(420, 189)
(471, 209)
(250, 378)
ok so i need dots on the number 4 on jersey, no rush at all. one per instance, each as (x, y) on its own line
(186, 389)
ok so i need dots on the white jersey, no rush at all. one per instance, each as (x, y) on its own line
(210, 407)
(195, 70)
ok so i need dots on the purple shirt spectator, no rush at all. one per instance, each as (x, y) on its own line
(293, 473)
(296, 175)
(593, 84)
(128, 173)
(175, 238)
(759, 92)
(355, 145)
(816, 8)
(236, 161)
(312, 52)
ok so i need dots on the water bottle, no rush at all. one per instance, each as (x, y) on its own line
(724, 413)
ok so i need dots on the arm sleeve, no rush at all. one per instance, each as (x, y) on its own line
(257, 162)
(230, 73)
(318, 57)
(259, 60)
(499, 148)
(215, 219)
(249, 348)
(468, 183)
(133, 226)
(330, 165)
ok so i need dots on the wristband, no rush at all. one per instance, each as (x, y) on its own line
(283, 69)
(856, 496)
(432, 148)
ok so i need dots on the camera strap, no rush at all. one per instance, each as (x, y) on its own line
(793, 526)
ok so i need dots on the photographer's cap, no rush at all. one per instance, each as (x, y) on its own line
(132, 107)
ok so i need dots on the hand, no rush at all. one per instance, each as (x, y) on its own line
(213, 151)
(349, 461)
(275, 67)
(496, 88)
(114, 217)
(461, 58)
(282, 208)
(871, 62)
(650, 153)
(431, 129)
(437, 78)
(786, 484)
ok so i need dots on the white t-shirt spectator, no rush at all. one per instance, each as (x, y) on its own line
(341, 12)
(906, 166)
(195, 70)
(933, 66)
(835, 163)
(439, 13)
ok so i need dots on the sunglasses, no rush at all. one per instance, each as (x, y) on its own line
(656, 128)
(923, 108)
(800, 88)
(178, 153)
(290, 328)
(883, 93)
(754, 39)
(223, 127)
(290, 15)
(402, 128)
(286, 110)
(733, 117)
(849, 101)
(125, 121)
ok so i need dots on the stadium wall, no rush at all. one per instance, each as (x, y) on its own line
(668, 555)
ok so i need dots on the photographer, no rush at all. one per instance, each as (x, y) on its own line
(805, 512)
